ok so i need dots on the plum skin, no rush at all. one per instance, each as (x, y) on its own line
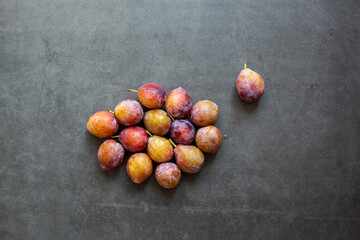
(151, 95)
(110, 154)
(189, 158)
(208, 139)
(182, 131)
(129, 112)
(157, 122)
(204, 113)
(250, 85)
(139, 167)
(102, 124)
(178, 103)
(168, 175)
(160, 149)
(133, 139)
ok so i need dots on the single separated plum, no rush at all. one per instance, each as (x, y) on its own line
(139, 167)
(129, 112)
(168, 175)
(204, 113)
(157, 122)
(134, 139)
(250, 85)
(151, 95)
(182, 131)
(159, 149)
(110, 154)
(102, 124)
(178, 103)
(189, 158)
(208, 139)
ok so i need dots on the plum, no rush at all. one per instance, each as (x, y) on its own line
(250, 85)
(189, 158)
(102, 124)
(168, 175)
(159, 149)
(204, 113)
(157, 122)
(134, 139)
(208, 139)
(151, 95)
(129, 112)
(178, 103)
(139, 167)
(182, 131)
(110, 154)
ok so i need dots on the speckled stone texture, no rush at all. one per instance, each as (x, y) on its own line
(289, 165)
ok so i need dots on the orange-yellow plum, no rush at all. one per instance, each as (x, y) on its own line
(189, 158)
(102, 124)
(160, 149)
(139, 167)
(208, 139)
(157, 122)
(204, 113)
(129, 112)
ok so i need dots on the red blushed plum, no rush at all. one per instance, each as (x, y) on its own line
(208, 139)
(189, 158)
(139, 167)
(134, 139)
(168, 175)
(102, 124)
(204, 113)
(160, 149)
(110, 154)
(129, 112)
(178, 103)
(182, 131)
(250, 85)
(151, 95)
(157, 122)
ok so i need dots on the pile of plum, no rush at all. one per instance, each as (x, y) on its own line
(157, 122)
(178, 105)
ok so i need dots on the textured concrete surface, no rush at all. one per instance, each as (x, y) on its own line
(289, 167)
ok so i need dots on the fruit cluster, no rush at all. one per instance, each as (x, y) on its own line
(157, 122)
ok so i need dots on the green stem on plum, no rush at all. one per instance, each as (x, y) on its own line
(149, 133)
(244, 66)
(115, 136)
(110, 111)
(172, 118)
(172, 143)
(132, 90)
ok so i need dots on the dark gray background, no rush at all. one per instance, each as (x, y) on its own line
(288, 167)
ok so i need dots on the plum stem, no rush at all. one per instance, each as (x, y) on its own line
(172, 118)
(132, 90)
(172, 143)
(110, 111)
(115, 136)
(149, 133)
(244, 66)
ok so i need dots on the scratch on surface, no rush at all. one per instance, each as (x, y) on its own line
(296, 233)
(82, 225)
(82, 210)
(332, 206)
(42, 86)
(48, 53)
